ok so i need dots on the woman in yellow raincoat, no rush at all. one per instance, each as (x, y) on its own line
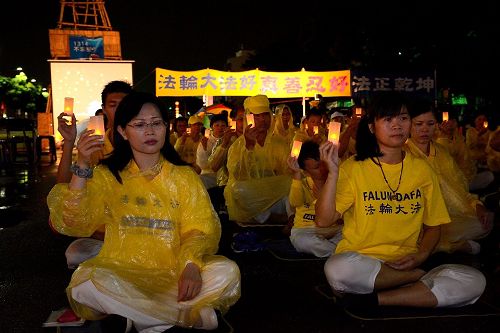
(283, 125)
(157, 266)
(470, 220)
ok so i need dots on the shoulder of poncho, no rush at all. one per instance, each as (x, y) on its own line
(178, 173)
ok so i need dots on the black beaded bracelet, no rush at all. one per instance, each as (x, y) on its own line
(82, 173)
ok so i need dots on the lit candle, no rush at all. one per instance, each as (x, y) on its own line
(207, 133)
(188, 130)
(96, 123)
(445, 116)
(334, 132)
(485, 124)
(296, 148)
(233, 124)
(359, 112)
(250, 120)
(315, 130)
(68, 105)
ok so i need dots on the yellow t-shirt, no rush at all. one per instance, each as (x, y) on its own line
(378, 223)
(302, 199)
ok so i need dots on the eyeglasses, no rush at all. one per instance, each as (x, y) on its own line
(154, 125)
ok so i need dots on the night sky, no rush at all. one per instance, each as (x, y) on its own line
(460, 41)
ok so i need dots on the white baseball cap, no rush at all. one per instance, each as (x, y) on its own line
(337, 114)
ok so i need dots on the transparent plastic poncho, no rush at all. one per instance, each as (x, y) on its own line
(460, 203)
(156, 223)
(258, 178)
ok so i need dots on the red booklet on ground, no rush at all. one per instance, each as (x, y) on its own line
(63, 317)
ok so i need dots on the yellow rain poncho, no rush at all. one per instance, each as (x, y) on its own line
(476, 143)
(258, 178)
(188, 149)
(461, 204)
(493, 156)
(156, 223)
(455, 145)
(302, 135)
(279, 128)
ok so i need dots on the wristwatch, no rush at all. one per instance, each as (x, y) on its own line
(82, 173)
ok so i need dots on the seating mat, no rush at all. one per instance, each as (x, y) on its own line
(479, 309)
(283, 249)
(252, 225)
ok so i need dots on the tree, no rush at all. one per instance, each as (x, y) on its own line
(18, 93)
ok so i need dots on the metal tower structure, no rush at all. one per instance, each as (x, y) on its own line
(84, 15)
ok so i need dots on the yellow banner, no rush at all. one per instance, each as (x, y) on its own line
(250, 83)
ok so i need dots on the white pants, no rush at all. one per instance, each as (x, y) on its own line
(306, 240)
(82, 249)
(481, 180)
(215, 276)
(452, 285)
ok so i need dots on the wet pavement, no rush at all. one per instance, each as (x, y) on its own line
(280, 293)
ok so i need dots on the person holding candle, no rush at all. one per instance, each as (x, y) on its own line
(187, 144)
(217, 161)
(312, 129)
(393, 209)
(476, 140)
(470, 220)
(259, 180)
(218, 126)
(87, 247)
(449, 135)
(308, 177)
(179, 125)
(157, 265)
(284, 127)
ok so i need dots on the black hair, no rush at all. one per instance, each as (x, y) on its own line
(314, 112)
(420, 106)
(309, 150)
(218, 117)
(176, 121)
(385, 104)
(128, 109)
(115, 87)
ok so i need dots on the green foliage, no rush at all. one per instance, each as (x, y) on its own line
(19, 94)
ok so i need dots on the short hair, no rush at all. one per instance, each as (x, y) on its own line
(314, 112)
(116, 86)
(420, 106)
(309, 150)
(218, 117)
(176, 121)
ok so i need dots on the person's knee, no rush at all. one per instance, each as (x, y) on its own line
(476, 282)
(457, 285)
(233, 271)
(339, 269)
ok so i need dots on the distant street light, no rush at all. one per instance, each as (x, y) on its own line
(19, 69)
(33, 80)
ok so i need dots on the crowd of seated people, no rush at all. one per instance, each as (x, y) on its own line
(395, 165)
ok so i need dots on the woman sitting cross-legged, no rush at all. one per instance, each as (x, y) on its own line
(392, 208)
(157, 265)
(470, 220)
